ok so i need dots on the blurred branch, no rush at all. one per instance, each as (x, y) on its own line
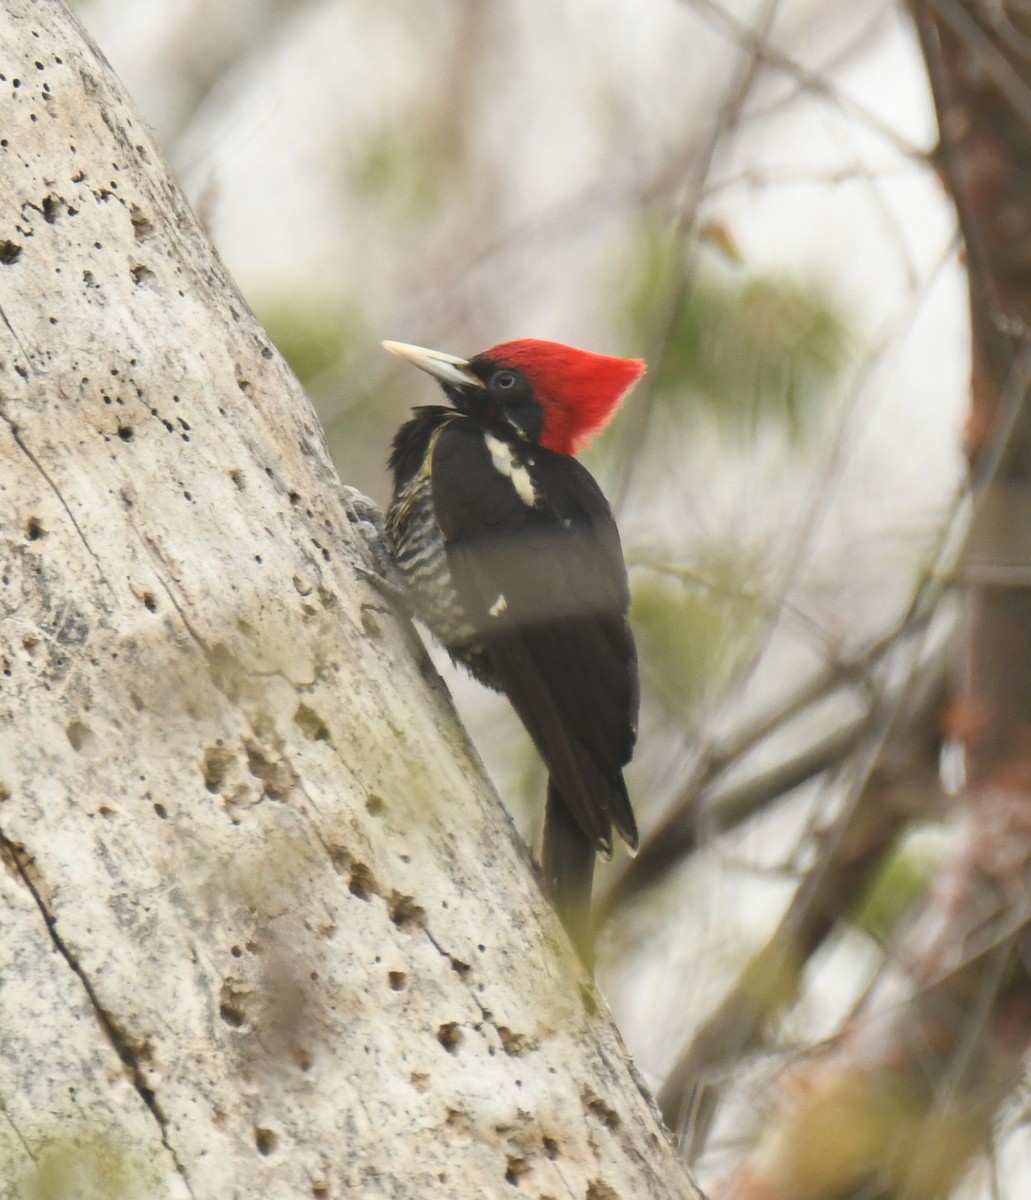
(912, 1089)
(677, 837)
(791, 176)
(980, 282)
(196, 64)
(694, 576)
(705, 807)
(905, 1097)
(756, 42)
(681, 250)
(901, 784)
(845, 56)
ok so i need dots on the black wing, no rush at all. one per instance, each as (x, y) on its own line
(545, 586)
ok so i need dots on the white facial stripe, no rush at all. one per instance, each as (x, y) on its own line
(504, 461)
(499, 606)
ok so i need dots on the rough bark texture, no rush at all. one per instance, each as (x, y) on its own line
(266, 931)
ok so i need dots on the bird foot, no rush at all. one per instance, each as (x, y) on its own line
(383, 575)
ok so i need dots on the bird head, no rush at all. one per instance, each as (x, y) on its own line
(552, 395)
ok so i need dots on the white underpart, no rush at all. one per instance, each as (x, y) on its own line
(505, 461)
(499, 606)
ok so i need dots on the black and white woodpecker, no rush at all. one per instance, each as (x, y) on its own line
(510, 556)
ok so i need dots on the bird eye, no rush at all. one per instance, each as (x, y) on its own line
(504, 380)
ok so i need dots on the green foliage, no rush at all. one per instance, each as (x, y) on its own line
(691, 634)
(902, 877)
(750, 348)
(409, 169)
(312, 336)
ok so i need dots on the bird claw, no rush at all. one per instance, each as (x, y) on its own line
(368, 523)
(389, 586)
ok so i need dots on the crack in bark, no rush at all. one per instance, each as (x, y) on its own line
(57, 492)
(485, 1013)
(17, 339)
(114, 1034)
(17, 1132)
(156, 557)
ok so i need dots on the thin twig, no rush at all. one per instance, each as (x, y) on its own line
(813, 82)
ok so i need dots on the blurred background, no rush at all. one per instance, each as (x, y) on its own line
(741, 193)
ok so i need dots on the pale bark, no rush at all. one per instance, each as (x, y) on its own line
(266, 929)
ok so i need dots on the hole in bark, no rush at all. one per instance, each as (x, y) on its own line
(161, 811)
(276, 775)
(265, 1140)
(51, 208)
(361, 883)
(140, 273)
(374, 806)
(214, 767)
(232, 1016)
(598, 1190)
(10, 252)
(311, 724)
(236, 476)
(514, 1044)
(125, 432)
(404, 911)
(149, 602)
(515, 1168)
(78, 735)
(449, 1035)
(230, 1004)
(398, 979)
(142, 226)
(598, 1108)
(34, 529)
(456, 1119)
(550, 1147)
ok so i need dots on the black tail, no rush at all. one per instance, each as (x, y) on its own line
(567, 861)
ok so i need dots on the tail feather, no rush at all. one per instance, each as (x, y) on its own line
(567, 862)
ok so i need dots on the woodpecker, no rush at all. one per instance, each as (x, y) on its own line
(510, 556)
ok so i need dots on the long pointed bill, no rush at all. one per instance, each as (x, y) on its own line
(445, 367)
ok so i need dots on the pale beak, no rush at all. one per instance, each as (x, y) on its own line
(445, 367)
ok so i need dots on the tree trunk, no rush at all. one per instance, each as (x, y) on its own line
(267, 931)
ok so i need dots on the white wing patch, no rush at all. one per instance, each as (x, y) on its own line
(499, 606)
(505, 463)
